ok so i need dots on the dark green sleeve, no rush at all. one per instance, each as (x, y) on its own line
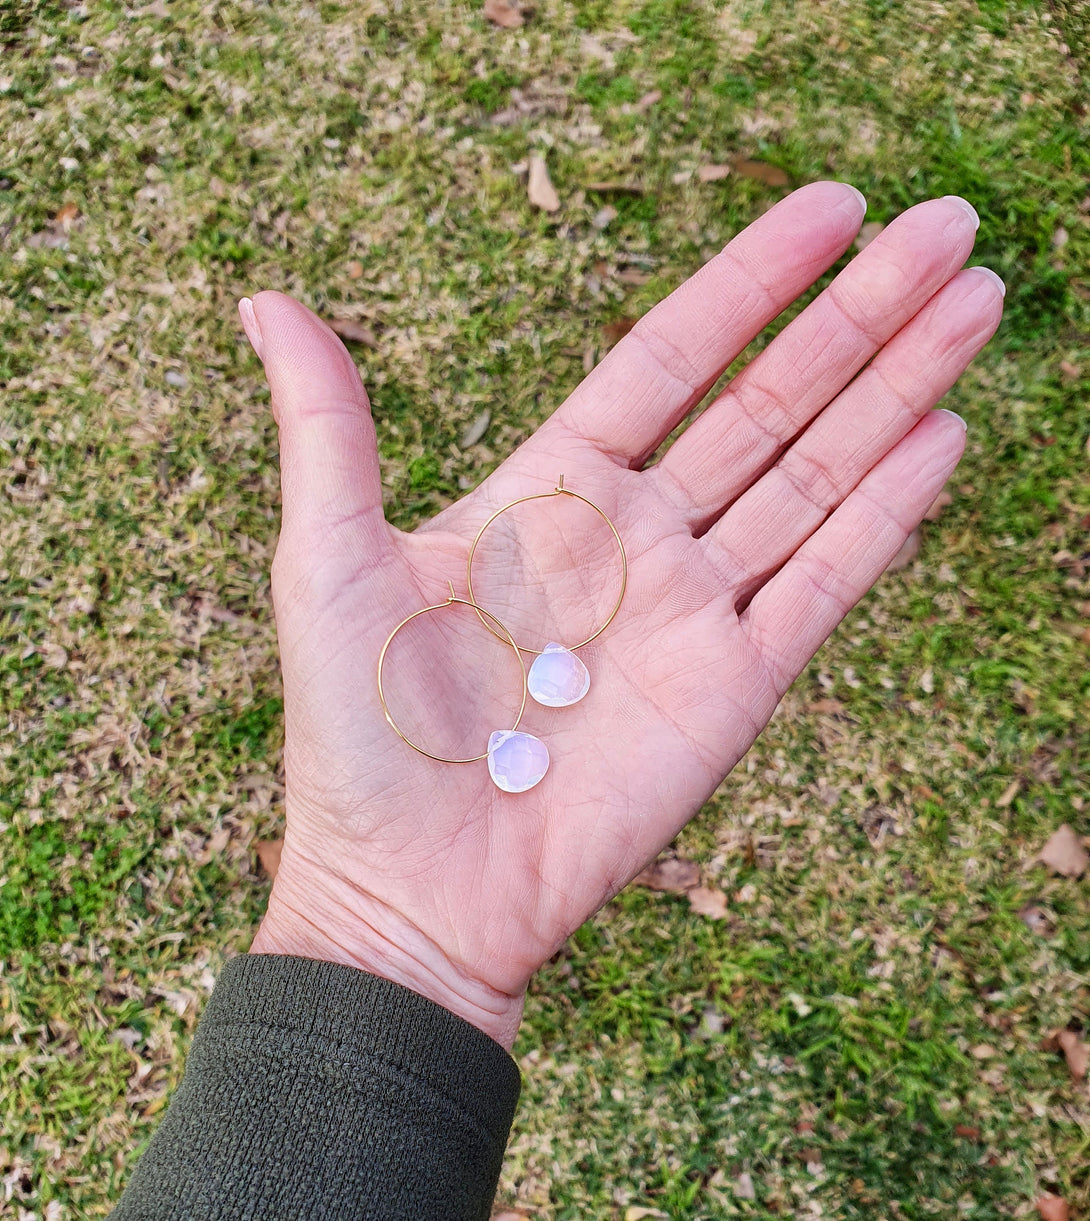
(317, 1091)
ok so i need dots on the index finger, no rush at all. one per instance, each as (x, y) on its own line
(671, 358)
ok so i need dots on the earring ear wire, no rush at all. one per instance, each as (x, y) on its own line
(557, 677)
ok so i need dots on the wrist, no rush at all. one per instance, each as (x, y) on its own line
(383, 943)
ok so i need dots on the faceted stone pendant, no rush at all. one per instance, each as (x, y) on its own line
(516, 761)
(558, 678)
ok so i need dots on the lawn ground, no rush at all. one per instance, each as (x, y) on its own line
(864, 1034)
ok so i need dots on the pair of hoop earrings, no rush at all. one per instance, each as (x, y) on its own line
(556, 679)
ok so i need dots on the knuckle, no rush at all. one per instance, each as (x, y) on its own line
(811, 479)
(666, 355)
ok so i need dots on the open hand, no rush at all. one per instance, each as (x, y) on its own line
(748, 541)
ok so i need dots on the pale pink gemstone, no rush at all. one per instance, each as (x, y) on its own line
(516, 761)
(558, 678)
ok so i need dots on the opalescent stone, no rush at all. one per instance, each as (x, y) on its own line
(516, 761)
(558, 678)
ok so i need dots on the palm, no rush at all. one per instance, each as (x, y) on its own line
(737, 572)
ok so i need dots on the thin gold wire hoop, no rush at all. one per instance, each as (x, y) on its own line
(559, 490)
(453, 600)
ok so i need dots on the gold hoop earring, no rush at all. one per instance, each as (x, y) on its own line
(516, 761)
(557, 678)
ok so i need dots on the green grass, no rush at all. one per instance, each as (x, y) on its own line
(862, 1034)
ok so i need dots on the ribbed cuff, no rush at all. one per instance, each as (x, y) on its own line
(316, 1090)
(376, 1019)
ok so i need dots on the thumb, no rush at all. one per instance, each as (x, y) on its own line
(329, 471)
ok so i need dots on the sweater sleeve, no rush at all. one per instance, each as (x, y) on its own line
(313, 1090)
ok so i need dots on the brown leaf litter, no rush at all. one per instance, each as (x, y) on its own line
(1064, 853)
(708, 901)
(679, 876)
(615, 331)
(672, 873)
(539, 187)
(1075, 1052)
(1053, 1208)
(269, 852)
(760, 171)
(504, 13)
(352, 331)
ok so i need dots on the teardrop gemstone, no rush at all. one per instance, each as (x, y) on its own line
(558, 678)
(516, 761)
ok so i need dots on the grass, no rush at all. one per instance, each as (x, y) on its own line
(862, 1034)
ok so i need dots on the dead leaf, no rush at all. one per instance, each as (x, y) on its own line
(476, 430)
(52, 238)
(942, 501)
(711, 1023)
(504, 13)
(743, 1187)
(910, 548)
(649, 99)
(633, 275)
(966, 1132)
(354, 269)
(1037, 920)
(637, 1213)
(540, 189)
(761, 171)
(1064, 853)
(66, 214)
(1069, 370)
(867, 233)
(269, 852)
(983, 1051)
(127, 1037)
(615, 331)
(713, 173)
(669, 873)
(603, 216)
(509, 1214)
(352, 332)
(218, 841)
(1009, 793)
(1076, 1053)
(708, 901)
(1053, 1208)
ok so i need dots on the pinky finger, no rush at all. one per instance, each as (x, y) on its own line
(792, 615)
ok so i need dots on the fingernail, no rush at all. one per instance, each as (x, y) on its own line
(250, 326)
(987, 271)
(970, 210)
(859, 195)
(947, 411)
